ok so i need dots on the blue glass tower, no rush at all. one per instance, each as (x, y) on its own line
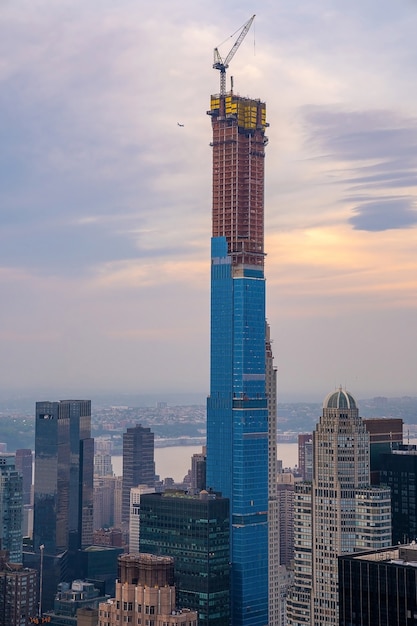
(237, 408)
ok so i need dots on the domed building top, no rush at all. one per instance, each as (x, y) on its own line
(340, 399)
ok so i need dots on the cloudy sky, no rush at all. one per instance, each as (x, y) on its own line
(105, 201)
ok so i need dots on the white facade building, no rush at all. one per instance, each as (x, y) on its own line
(134, 520)
(346, 512)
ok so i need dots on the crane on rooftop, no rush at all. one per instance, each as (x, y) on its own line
(223, 64)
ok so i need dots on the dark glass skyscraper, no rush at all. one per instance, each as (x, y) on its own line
(237, 408)
(378, 588)
(138, 463)
(399, 472)
(64, 462)
(195, 531)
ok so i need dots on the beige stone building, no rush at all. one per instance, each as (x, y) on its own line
(145, 594)
(338, 513)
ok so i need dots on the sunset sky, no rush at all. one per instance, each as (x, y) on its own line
(105, 201)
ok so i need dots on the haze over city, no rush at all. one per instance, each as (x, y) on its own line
(106, 198)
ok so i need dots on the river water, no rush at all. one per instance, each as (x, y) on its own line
(175, 461)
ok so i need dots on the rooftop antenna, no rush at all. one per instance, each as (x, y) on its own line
(223, 64)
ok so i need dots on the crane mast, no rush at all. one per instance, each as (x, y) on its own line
(223, 64)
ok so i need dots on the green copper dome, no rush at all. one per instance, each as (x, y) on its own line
(340, 399)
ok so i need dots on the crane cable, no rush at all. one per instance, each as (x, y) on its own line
(236, 31)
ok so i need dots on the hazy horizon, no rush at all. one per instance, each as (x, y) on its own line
(27, 398)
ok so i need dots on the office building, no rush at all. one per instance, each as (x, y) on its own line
(299, 594)
(11, 508)
(399, 472)
(346, 512)
(64, 452)
(198, 471)
(104, 502)
(27, 524)
(18, 593)
(195, 531)
(107, 502)
(134, 522)
(285, 488)
(102, 464)
(378, 588)
(80, 594)
(23, 464)
(373, 518)
(118, 498)
(145, 594)
(110, 537)
(305, 456)
(384, 433)
(238, 450)
(24, 467)
(55, 568)
(138, 463)
(341, 473)
(99, 564)
(63, 493)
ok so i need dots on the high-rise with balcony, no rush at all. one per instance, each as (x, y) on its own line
(11, 508)
(18, 593)
(338, 513)
(237, 408)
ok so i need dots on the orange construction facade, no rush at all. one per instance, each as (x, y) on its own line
(238, 175)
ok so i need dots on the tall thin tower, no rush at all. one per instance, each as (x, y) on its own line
(237, 408)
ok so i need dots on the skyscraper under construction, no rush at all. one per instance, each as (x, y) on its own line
(237, 408)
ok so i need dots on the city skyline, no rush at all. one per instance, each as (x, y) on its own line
(106, 206)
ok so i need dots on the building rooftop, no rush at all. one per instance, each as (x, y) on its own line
(397, 555)
(340, 399)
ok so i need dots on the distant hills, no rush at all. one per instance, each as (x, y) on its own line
(175, 416)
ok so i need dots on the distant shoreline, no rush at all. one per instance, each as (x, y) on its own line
(180, 441)
(285, 437)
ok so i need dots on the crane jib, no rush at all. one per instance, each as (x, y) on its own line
(222, 65)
